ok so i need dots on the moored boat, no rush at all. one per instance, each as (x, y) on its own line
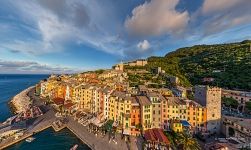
(74, 147)
(30, 139)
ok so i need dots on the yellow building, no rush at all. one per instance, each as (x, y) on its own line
(120, 107)
(165, 92)
(172, 110)
(176, 126)
(155, 99)
(83, 97)
(113, 103)
(127, 112)
(146, 112)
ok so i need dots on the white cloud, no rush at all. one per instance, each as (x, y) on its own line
(59, 22)
(32, 67)
(210, 6)
(157, 17)
(144, 45)
(221, 15)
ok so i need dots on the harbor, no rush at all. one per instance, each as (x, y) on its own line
(49, 120)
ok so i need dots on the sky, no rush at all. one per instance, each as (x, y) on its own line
(68, 36)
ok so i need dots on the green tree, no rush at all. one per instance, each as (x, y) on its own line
(230, 102)
(248, 106)
(187, 142)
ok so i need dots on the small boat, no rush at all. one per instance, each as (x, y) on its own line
(29, 139)
(74, 147)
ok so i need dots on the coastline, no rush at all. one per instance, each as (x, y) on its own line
(45, 121)
(21, 101)
(12, 107)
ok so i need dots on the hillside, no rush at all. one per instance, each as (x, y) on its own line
(228, 64)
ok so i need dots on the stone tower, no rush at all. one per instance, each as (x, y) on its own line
(210, 97)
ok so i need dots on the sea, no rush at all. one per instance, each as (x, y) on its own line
(12, 84)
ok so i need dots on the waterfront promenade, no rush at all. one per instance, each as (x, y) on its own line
(41, 123)
(45, 121)
(97, 142)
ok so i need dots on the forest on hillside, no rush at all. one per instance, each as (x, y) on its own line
(228, 64)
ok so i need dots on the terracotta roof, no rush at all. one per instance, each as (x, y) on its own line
(160, 136)
(68, 105)
(143, 100)
(149, 136)
(155, 135)
(58, 101)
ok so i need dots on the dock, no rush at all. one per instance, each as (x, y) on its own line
(48, 121)
(56, 127)
(93, 142)
(41, 123)
(97, 142)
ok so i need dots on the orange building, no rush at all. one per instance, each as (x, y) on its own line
(119, 87)
(59, 90)
(196, 116)
(135, 117)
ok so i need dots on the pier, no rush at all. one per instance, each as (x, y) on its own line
(97, 142)
(41, 123)
(49, 120)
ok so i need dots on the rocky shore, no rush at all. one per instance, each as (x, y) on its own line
(21, 101)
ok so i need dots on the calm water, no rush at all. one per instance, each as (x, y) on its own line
(10, 85)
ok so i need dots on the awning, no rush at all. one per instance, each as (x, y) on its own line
(126, 132)
(185, 123)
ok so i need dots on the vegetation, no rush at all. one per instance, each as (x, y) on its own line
(151, 79)
(228, 64)
(248, 106)
(230, 102)
(187, 142)
(182, 141)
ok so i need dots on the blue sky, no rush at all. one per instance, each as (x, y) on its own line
(65, 36)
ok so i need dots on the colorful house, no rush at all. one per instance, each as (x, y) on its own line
(146, 112)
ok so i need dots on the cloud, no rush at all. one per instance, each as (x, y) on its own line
(41, 27)
(61, 22)
(218, 16)
(139, 50)
(211, 6)
(31, 47)
(157, 17)
(32, 67)
(144, 45)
